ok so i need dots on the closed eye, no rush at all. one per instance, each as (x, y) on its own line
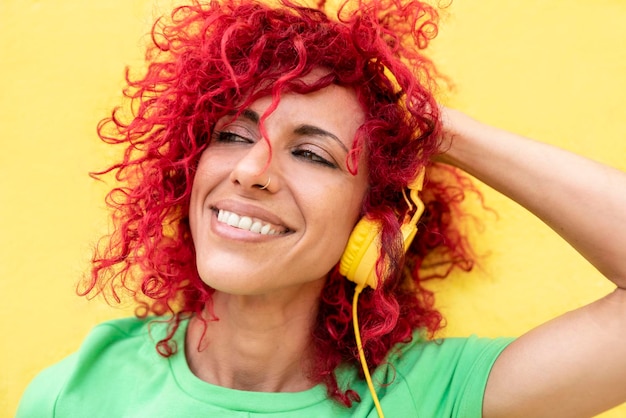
(230, 137)
(309, 155)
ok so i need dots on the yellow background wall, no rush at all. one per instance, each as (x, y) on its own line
(554, 70)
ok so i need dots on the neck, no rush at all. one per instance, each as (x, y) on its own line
(259, 343)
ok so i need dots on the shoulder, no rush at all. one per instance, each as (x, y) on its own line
(452, 355)
(119, 341)
(108, 347)
(41, 394)
(444, 377)
(124, 332)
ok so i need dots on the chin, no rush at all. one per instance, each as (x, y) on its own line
(235, 283)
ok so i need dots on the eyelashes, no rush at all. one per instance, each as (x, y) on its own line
(304, 152)
(230, 137)
(311, 156)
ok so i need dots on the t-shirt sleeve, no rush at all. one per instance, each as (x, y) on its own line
(445, 378)
(471, 375)
(40, 396)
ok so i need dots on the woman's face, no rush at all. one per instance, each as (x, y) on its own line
(252, 241)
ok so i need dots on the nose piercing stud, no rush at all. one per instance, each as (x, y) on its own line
(269, 180)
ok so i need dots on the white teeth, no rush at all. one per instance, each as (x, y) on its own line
(256, 227)
(232, 220)
(244, 222)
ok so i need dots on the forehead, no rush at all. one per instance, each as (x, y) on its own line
(333, 108)
(343, 100)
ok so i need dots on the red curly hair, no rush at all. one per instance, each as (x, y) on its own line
(209, 60)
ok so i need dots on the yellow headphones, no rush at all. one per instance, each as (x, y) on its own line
(358, 262)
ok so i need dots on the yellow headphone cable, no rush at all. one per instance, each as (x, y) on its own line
(359, 345)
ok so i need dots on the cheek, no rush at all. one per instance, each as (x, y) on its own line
(341, 213)
(193, 212)
(205, 179)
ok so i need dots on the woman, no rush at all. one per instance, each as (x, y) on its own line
(260, 138)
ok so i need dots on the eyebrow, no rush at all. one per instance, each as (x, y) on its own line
(251, 115)
(314, 130)
(254, 117)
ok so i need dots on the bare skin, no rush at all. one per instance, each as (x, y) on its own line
(255, 346)
(267, 286)
(574, 365)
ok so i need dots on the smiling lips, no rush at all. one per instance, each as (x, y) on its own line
(247, 223)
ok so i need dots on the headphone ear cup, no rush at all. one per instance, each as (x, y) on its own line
(358, 262)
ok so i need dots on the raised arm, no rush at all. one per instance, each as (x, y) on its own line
(575, 365)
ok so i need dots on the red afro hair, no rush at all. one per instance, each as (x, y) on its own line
(209, 60)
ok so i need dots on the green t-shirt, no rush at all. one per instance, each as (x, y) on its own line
(118, 373)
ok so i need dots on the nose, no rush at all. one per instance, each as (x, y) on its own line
(255, 168)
